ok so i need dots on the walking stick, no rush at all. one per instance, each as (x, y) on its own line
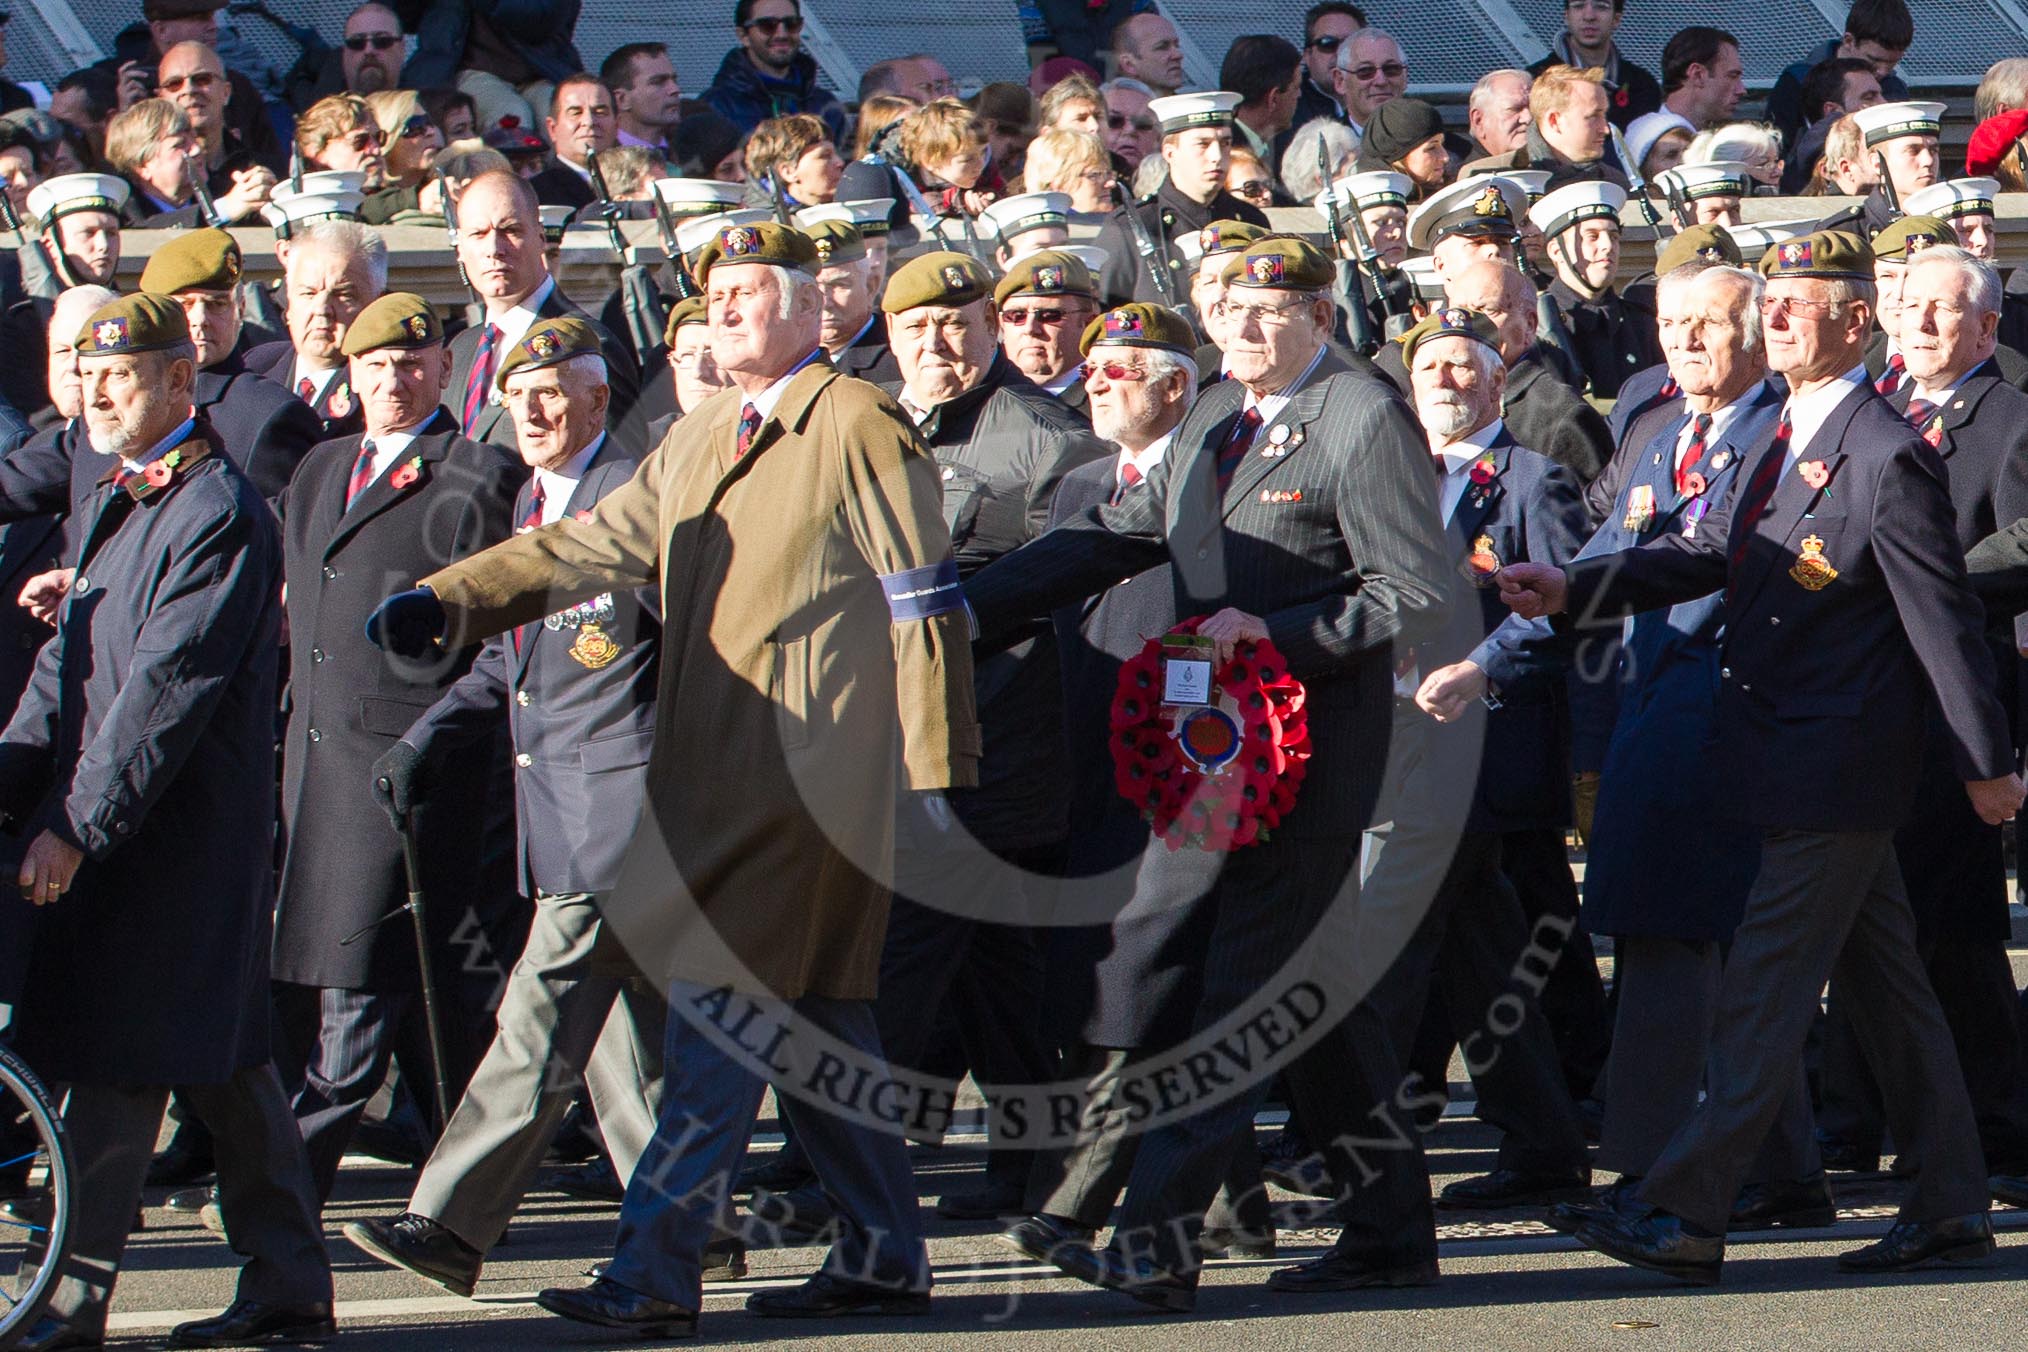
(412, 867)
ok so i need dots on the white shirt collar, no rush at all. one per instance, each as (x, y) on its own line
(1722, 418)
(515, 324)
(1459, 454)
(320, 381)
(1147, 457)
(1807, 412)
(389, 447)
(559, 484)
(1271, 405)
(1063, 382)
(764, 402)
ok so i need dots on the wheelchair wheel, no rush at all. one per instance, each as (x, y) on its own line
(35, 1198)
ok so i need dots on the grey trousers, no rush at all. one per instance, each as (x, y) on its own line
(1668, 998)
(263, 1189)
(1824, 903)
(574, 1003)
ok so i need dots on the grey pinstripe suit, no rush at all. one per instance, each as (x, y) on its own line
(1329, 532)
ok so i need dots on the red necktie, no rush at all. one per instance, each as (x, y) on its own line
(480, 383)
(528, 523)
(1130, 474)
(1700, 428)
(749, 425)
(306, 390)
(362, 473)
(1890, 379)
(1237, 445)
(1760, 492)
(1919, 413)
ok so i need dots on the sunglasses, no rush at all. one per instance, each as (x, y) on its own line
(1393, 70)
(416, 125)
(1254, 187)
(1039, 314)
(1326, 42)
(380, 42)
(202, 79)
(363, 141)
(1112, 370)
(769, 27)
(1118, 122)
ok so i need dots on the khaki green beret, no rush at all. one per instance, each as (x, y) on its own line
(691, 310)
(398, 319)
(195, 260)
(1452, 321)
(837, 242)
(761, 242)
(1697, 241)
(549, 343)
(1228, 236)
(940, 278)
(1281, 262)
(1140, 325)
(1828, 253)
(1910, 235)
(1047, 273)
(142, 322)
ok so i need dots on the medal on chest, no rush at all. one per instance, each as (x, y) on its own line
(1640, 508)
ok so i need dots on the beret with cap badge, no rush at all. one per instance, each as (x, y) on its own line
(399, 319)
(1452, 321)
(194, 260)
(551, 342)
(938, 278)
(1140, 324)
(142, 322)
(760, 242)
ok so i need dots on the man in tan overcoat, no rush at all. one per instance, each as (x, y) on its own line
(815, 666)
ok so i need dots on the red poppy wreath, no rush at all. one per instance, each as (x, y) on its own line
(1216, 776)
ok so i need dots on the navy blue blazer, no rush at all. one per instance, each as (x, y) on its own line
(1847, 609)
(264, 428)
(338, 410)
(577, 692)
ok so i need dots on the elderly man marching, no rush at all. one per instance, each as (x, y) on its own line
(813, 638)
(577, 691)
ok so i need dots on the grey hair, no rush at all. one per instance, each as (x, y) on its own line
(346, 237)
(1982, 278)
(1131, 85)
(1299, 161)
(1485, 360)
(1845, 290)
(1162, 365)
(790, 281)
(1343, 61)
(1733, 141)
(2005, 86)
(590, 365)
(1749, 330)
(1482, 92)
(91, 296)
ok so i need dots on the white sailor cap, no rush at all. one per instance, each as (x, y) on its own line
(1534, 182)
(286, 211)
(869, 214)
(1720, 178)
(1017, 215)
(54, 198)
(698, 196)
(1756, 239)
(1090, 255)
(322, 181)
(1886, 121)
(555, 220)
(1484, 205)
(1181, 112)
(1575, 202)
(698, 231)
(1421, 274)
(1953, 198)
(1190, 246)
(1376, 188)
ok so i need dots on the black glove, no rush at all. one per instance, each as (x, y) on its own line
(399, 781)
(407, 624)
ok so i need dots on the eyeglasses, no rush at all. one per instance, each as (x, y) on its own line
(1254, 187)
(364, 140)
(1326, 42)
(791, 25)
(197, 79)
(1393, 70)
(1118, 122)
(417, 124)
(1112, 370)
(1264, 315)
(1785, 305)
(380, 42)
(1021, 319)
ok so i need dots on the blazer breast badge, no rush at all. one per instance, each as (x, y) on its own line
(1812, 570)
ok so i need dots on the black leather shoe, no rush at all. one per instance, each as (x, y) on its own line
(596, 1181)
(1615, 1197)
(1511, 1187)
(1219, 1242)
(249, 1321)
(1843, 1157)
(182, 1164)
(724, 1260)
(1763, 1206)
(825, 1296)
(1338, 1272)
(783, 1173)
(424, 1247)
(193, 1199)
(2009, 1188)
(1137, 1277)
(803, 1216)
(610, 1305)
(988, 1203)
(1040, 1235)
(53, 1335)
(1910, 1244)
(1658, 1242)
(390, 1142)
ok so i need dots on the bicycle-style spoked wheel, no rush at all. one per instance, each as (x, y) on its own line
(35, 1198)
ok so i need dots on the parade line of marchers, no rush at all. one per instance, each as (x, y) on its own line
(924, 1106)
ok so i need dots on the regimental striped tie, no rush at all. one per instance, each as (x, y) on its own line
(529, 523)
(749, 426)
(362, 473)
(1920, 412)
(1890, 379)
(1700, 428)
(1760, 492)
(480, 384)
(1236, 446)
